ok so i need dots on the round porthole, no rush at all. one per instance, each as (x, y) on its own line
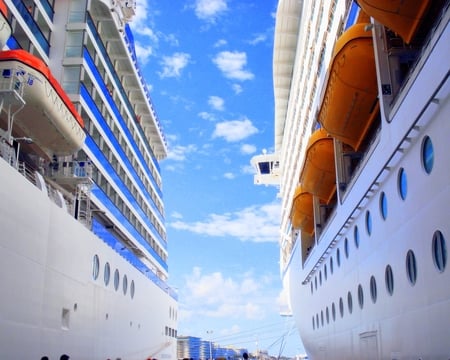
(350, 302)
(383, 205)
(427, 154)
(389, 278)
(402, 183)
(368, 223)
(124, 284)
(116, 279)
(356, 236)
(411, 267)
(360, 296)
(439, 251)
(373, 289)
(132, 289)
(95, 267)
(107, 273)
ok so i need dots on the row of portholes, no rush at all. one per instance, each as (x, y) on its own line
(440, 260)
(427, 160)
(107, 276)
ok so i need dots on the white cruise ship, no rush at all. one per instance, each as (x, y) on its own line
(83, 247)
(362, 135)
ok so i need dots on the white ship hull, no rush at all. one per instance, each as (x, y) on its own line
(50, 302)
(413, 321)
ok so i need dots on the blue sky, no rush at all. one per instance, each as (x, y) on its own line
(208, 64)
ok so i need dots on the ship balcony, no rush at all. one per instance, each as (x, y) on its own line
(69, 173)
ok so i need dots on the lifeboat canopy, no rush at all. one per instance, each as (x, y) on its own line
(302, 213)
(402, 17)
(318, 175)
(47, 115)
(350, 102)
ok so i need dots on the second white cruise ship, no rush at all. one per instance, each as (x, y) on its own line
(361, 143)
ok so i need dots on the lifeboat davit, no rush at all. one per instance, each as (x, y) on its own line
(5, 28)
(302, 213)
(402, 17)
(48, 116)
(318, 175)
(350, 101)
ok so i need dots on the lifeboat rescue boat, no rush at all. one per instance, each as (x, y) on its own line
(46, 115)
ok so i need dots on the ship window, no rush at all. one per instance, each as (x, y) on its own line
(350, 302)
(368, 222)
(315, 282)
(333, 311)
(95, 267)
(389, 278)
(338, 257)
(360, 296)
(427, 154)
(132, 289)
(373, 289)
(331, 264)
(116, 279)
(317, 320)
(346, 247)
(320, 277)
(313, 323)
(125, 284)
(327, 315)
(356, 236)
(383, 205)
(264, 167)
(311, 287)
(321, 317)
(325, 271)
(439, 251)
(402, 183)
(341, 307)
(411, 267)
(107, 273)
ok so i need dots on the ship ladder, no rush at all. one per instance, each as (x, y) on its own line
(83, 204)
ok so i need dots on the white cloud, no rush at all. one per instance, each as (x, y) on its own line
(229, 176)
(257, 39)
(143, 53)
(173, 65)
(179, 152)
(217, 103)
(254, 223)
(234, 130)
(209, 295)
(232, 64)
(248, 149)
(220, 43)
(209, 10)
(236, 88)
(206, 116)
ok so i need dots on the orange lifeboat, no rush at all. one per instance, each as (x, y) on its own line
(5, 28)
(48, 116)
(402, 17)
(302, 213)
(318, 175)
(350, 100)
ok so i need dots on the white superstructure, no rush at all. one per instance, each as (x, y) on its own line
(83, 247)
(361, 140)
